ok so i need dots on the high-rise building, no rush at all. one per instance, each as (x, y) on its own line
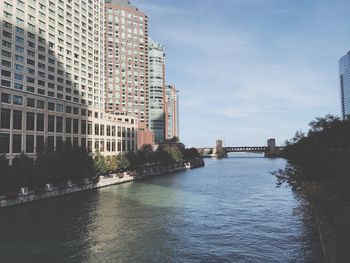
(157, 90)
(344, 70)
(126, 60)
(171, 113)
(53, 81)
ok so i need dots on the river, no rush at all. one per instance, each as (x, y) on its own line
(229, 211)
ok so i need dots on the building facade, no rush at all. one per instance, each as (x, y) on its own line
(157, 90)
(344, 72)
(171, 113)
(126, 60)
(53, 79)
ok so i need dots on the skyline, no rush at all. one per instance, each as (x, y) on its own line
(276, 62)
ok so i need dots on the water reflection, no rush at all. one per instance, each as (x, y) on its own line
(229, 211)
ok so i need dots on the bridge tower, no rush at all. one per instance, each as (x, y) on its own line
(272, 150)
(219, 146)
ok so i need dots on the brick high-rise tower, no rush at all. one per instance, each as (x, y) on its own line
(126, 60)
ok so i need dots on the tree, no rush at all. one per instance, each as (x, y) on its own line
(22, 169)
(324, 151)
(175, 139)
(100, 164)
(191, 154)
(146, 154)
(134, 160)
(122, 161)
(4, 174)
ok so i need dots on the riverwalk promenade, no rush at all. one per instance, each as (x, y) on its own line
(26, 196)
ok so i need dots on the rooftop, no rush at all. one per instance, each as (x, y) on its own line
(125, 3)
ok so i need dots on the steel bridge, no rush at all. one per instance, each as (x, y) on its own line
(245, 149)
(271, 150)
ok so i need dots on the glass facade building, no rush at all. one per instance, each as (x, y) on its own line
(344, 68)
(157, 90)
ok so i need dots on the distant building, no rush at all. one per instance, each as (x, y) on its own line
(144, 136)
(171, 113)
(344, 72)
(126, 60)
(157, 90)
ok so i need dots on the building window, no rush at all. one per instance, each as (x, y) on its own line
(113, 146)
(89, 146)
(75, 126)
(51, 106)
(68, 109)
(16, 143)
(59, 108)
(51, 123)
(40, 122)
(51, 143)
(5, 98)
(5, 83)
(30, 121)
(5, 118)
(6, 64)
(30, 143)
(97, 129)
(83, 127)
(18, 86)
(17, 120)
(108, 145)
(59, 124)
(89, 128)
(6, 73)
(4, 143)
(17, 100)
(68, 125)
(30, 102)
(39, 143)
(40, 104)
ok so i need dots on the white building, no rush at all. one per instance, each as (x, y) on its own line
(171, 113)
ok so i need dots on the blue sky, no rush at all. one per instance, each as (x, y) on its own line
(248, 70)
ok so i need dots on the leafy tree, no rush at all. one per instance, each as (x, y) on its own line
(324, 151)
(134, 160)
(100, 164)
(146, 154)
(191, 154)
(122, 161)
(22, 169)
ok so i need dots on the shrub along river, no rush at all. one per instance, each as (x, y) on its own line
(229, 211)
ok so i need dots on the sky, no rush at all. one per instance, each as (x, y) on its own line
(249, 70)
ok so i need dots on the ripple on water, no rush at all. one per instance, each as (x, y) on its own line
(230, 211)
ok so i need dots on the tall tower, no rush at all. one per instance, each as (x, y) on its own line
(171, 112)
(126, 60)
(157, 90)
(344, 72)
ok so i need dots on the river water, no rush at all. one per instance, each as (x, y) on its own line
(229, 211)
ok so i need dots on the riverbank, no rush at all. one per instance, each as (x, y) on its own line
(27, 196)
(331, 218)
